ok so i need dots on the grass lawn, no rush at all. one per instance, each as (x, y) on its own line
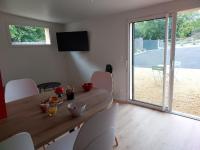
(148, 88)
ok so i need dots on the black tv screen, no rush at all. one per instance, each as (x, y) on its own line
(73, 41)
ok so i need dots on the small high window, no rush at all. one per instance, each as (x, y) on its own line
(29, 35)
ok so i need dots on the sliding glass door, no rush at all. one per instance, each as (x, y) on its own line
(186, 93)
(149, 60)
(164, 62)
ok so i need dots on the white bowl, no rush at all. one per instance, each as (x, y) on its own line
(76, 109)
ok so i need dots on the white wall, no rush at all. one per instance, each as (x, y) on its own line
(41, 63)
(109, 44)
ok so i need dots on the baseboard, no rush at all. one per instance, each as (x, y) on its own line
(121, 101)
(137, 103)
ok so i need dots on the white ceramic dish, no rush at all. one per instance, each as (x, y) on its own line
(76, 109)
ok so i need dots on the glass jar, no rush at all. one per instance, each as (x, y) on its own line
(52, 110)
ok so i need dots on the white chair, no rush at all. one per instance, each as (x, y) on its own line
(102, 80)
(103, 142)
(17, 89)
(98, 132)
(21, 141)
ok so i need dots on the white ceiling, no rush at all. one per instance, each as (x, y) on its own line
(70, 10)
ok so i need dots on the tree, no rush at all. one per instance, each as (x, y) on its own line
(26, 33)
(187, 24)
(150, 30)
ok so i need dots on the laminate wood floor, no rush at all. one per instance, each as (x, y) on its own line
(140, 128)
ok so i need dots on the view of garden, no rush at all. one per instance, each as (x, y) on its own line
(188, 29)
(149, 38)
(27, 34)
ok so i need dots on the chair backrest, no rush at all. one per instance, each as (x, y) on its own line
(95, 128)
(103, 142)
(17, 89)
(102, 80)
(21, 141)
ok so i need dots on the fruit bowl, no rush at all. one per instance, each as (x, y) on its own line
(87, 86)
(53, 100)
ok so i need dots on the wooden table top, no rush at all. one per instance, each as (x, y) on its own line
(25, 115)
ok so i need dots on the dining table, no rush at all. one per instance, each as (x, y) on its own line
(25, 115)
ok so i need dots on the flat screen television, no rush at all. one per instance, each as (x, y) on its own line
(73, 41)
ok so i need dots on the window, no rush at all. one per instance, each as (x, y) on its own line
(29, 35)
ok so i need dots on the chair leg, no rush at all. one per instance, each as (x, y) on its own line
(116, 141)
